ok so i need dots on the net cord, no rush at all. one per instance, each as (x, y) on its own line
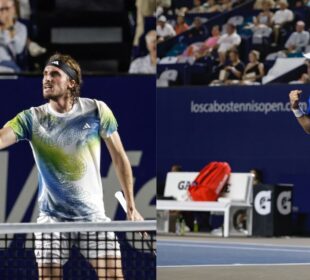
(115, 226)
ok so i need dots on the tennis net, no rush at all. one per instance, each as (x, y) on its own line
(78, 250)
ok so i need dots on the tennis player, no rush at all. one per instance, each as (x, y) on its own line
(302, 117)
(65, 136)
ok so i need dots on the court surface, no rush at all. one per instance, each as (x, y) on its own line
(217, 258)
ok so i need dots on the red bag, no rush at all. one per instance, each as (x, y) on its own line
(210, 182)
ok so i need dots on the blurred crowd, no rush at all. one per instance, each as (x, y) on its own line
(16, 44)
(236, 41)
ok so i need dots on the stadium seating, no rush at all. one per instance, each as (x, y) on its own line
(242, 16)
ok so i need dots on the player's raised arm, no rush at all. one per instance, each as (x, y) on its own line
(302, 118)
(7, 137)
(124, 173)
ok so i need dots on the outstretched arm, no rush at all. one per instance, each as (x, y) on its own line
(124, 174)
(7, 137)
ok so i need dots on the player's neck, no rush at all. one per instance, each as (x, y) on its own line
(63, 104)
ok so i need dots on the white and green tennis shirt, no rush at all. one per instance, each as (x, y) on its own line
(66, 149)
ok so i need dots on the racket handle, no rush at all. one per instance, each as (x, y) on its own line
(121, 199)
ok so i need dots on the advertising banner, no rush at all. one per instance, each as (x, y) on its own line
(246, 126)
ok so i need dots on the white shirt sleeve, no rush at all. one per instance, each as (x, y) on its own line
(18, 42)
(291, 40)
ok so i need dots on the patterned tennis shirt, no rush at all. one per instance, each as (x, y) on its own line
(67, 148)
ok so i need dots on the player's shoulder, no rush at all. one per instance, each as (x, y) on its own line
(42, 109)
(90, 102)
(93, 104)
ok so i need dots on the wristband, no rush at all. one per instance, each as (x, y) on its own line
(298, 112)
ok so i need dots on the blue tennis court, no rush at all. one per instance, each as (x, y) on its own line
(263, 258)
(173, 253)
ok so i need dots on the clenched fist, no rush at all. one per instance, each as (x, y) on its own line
(294, 98)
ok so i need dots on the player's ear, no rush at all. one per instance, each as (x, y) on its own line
(71, 84)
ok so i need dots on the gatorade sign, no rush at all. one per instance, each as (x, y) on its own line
(262, 203)
(177, 184)
(284, 203)
(272, 210)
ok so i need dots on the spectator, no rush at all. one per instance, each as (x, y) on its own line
(230, 73)
(281, 18)
(262, 28)
(234, 70)
(218, 71)
(201, 49)
(13, 37)
(254, 70)
(212, 7)
(197, 7)
(146, 64)
(258, 5)
(265, 17)
(162, 6)
(226, 5)
(258, 176)
(23, 9)
(181, 11)
(298, 40)
(144, 8)
(300, 4)
(307, 3)
(164, 30)
(229, 40)
(181, 25)
(198, 30)
(159, 9)
(176, 168)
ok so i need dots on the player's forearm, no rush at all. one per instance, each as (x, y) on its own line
(2, 142)
(304, 121)
(124, 174)
(7, 137)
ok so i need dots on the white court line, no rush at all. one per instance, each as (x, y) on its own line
(232, 243)
(236, 247)
(233, 265)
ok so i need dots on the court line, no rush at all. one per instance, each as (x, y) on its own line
(232, 243)
(236, 247)
(233, 265)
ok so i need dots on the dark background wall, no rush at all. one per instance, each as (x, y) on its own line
(268, 138)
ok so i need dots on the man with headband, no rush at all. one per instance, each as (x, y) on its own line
(65, 136)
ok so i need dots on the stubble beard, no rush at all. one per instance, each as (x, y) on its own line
(52, 95)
